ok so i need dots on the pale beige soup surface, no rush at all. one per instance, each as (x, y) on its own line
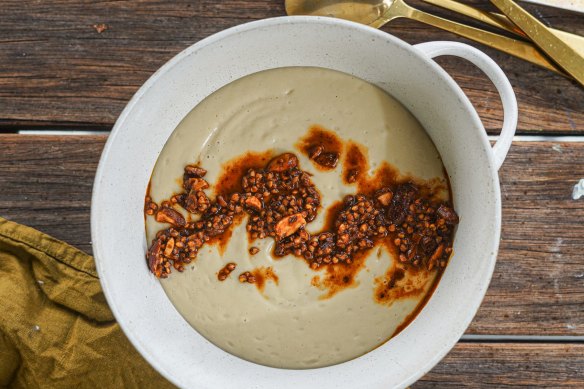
(289, 325)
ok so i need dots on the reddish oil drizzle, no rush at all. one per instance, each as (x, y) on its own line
(355, 164)
(232, 171)
(263, 274)
(146, 196)
(340, 276)
(148, 188)
(384, 176)
(409, 318)
(319, 136)
(399, 283)
(315, 281)
(388, 176)
(222, 240)
(332, 213)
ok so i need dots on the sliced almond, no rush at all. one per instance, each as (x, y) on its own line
(289, 225)
(196, 184)
(283, 162)
(154, 259)
(315, 151)
(385, 198)
(437, 254)
(253, 203)
(169, 247)
(195, 171)
(169, 215)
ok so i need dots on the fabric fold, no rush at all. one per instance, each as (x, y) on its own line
(56, 329)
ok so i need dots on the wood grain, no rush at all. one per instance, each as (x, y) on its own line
(508, 365)
(57, 69)
(538, 285)
(46, 183)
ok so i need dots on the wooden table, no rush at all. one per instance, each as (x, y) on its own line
(71, 65)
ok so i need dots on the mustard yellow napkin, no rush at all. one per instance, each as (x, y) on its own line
(56, 330)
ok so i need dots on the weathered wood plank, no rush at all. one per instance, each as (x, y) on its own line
(46, 182)
(497, 365)
(56, 68)
(538, 285)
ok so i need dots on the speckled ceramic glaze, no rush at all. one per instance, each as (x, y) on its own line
(408, 73)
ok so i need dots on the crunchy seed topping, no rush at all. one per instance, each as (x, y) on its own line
(226, 271)
(150, 206)
(281, 200)
(247, 277)
(254, 250)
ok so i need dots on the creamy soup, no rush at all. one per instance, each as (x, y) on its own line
(295, 316)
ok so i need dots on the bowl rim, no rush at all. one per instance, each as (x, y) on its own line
(451, 340)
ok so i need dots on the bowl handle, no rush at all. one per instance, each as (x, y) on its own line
(497, 77)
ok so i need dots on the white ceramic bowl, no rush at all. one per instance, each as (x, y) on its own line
(408, 73)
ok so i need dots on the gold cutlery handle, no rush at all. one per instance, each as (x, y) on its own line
(518, 48)
(501, 21)
(562, 53)
(492, 19)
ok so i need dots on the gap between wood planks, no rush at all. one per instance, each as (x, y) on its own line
(521, 339)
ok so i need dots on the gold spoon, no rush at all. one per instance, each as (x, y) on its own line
(376, 13)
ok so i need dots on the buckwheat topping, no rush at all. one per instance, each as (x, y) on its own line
(150, 207)
(225, 271)
(281, 200)
(247, 277)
